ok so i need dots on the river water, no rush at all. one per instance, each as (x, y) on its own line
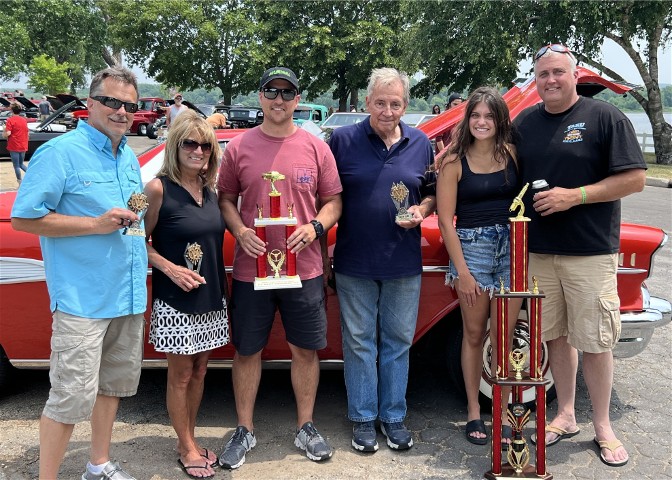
(641, 122)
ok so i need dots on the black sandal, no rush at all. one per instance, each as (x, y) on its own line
(474, 426)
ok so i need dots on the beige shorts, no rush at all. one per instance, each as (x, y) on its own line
(91, 357)
(581, 300)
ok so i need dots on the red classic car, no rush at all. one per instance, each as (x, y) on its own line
(150, 109)
(25, 316)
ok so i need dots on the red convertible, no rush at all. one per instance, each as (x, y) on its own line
(25, 316)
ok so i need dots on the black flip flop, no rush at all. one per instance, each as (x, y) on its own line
(476, 426)
(187, 468)
(507, 433)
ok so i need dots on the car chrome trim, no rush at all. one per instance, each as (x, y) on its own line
(21, 270)
(435, 269)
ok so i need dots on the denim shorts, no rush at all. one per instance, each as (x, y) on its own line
(486, 251)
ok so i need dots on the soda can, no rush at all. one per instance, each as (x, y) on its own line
(539, 186)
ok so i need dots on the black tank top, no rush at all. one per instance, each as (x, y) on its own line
(483, 199)
(182, 221)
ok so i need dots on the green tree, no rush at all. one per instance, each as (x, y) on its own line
(70, 31)
(47, 76)
(466, 44)
(189, 45)
(331, 43)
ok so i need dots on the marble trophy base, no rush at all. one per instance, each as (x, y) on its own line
(273, 283)
(509, 473)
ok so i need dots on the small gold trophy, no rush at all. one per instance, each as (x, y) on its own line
(399, 194)
(193, 255)
(275, 259)
(517, 358)
(518, 452)
(137, 204)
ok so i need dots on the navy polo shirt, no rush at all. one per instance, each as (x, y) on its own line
(369, 244)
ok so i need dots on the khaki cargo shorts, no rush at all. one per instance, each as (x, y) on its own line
(91, 357)
(581, 299)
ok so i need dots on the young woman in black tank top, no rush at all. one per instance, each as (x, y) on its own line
(477, 181)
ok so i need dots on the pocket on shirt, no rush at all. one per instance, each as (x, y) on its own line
(304, 177)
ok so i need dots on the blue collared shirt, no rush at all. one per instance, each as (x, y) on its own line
(369, 244)
(93, 276)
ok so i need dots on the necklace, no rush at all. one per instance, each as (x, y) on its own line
(196, 193)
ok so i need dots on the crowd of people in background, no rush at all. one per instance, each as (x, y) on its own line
(200, 192)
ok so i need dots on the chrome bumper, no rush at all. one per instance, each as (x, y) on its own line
(637, 327)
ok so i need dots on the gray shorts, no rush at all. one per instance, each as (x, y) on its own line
(91, 357)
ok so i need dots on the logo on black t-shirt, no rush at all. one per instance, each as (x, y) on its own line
(573, 133)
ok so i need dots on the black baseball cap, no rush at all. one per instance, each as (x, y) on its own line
(454, 96)
(282, 73)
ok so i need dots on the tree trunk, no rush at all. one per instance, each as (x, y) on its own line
(354, 98)
(662, 131)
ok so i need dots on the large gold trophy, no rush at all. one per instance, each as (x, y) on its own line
(276, 258)
(516, 463)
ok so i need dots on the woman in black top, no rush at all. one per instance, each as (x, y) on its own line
(189, 316)
(477, 182)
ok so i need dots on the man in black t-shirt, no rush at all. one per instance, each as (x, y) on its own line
(588, 153)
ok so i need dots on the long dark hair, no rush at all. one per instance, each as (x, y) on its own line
(436, 109)
(462, 137)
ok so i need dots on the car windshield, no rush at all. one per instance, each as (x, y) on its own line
(301, 115)
(206, 108)
(145, 105)
(342, 119)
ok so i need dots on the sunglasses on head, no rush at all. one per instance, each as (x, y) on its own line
(192, 145)
(272, 93)
(553, 47)
(115, 104)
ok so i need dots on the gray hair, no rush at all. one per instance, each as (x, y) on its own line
(118, 74)
(387, 76)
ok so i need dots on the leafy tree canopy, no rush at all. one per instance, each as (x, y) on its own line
(47, 76)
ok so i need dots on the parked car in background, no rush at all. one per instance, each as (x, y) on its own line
(157, 130)
(30, 110)
(76, 111)
(310, 112)
(25, 316)
(40, 132)
(341, 119)
(245, 117)
(150, 109)
(414, 119)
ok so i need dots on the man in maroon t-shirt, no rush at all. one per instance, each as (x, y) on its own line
(16, 133)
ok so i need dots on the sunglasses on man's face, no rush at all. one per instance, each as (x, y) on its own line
(115, 104)
(286, 93)
(554, 47)
(192, 146)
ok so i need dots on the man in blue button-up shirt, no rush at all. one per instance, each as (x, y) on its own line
(74, 196)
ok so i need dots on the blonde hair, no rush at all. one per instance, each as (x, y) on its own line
(185, 125)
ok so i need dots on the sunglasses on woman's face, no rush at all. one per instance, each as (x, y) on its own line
(192, 146)
(286, 93)
(115, 104)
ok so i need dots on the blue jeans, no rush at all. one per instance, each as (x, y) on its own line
(17, 162)
(378, 320)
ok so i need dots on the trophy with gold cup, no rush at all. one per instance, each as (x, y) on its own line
(276, 258)
(137, 204)
(193, 254)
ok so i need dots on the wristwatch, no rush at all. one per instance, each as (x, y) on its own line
(319, 228)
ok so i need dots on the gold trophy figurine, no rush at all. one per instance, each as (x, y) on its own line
(273, 177)
(275, 259)
(399, 194)
(518, 202)
(517, 358)
(193, 255)
(137, 204)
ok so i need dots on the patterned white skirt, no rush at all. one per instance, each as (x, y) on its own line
(171, 331)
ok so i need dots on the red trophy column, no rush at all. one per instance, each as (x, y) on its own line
(291, 257)
(261, 259)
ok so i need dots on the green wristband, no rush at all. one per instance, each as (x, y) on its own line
(583, 195)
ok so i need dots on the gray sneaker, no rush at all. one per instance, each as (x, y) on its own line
(241, 442)
(112, 471)
(309, 439)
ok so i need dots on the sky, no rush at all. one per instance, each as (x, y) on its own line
(616, 59)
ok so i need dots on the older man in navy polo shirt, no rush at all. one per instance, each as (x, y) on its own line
(377, 258)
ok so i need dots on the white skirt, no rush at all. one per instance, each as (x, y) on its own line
(171, 331)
